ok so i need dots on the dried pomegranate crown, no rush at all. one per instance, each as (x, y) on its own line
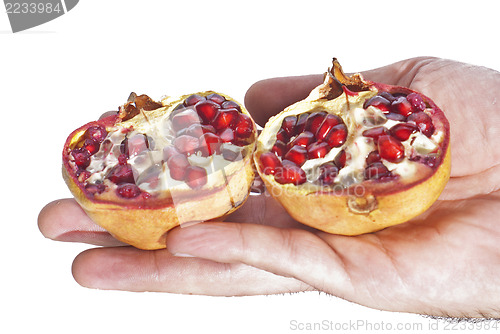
(154, 165)
(355, 156)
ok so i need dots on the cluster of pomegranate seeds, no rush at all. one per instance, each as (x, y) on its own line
(313, 135)
(200, 126)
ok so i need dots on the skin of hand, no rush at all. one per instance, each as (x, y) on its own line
(446, 262)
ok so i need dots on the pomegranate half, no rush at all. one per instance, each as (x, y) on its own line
(156, 165)
(355, 156)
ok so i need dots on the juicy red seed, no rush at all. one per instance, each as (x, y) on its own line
(196, 177)
(314, 121)
(328, 172)
(390, 149)
(416, 101)
(82, 157)
(329, 122)
(209, 144)
(207, 110)
(269, 162)
(135, 145)
(83, 175)
(388, 96)
(301, 123)
(340, 159)
(184, 119)
(91, 145)
(378, 102)
(290, 174)
(231, 155)
(372, 157)
(282, 135)
(244, 128)
(121, 174)
(216, 98)
(337, 136)
(95, 188)
(177, 165)
(303, 139)
(231, 104)
(317, 150)
(227, 135)
(96, 132)
(186, 144)
(128, 190)
(169, 151)
(376, 171)
(193, 99)
(375, 133)
(402, 131)
(226, 118)
(402, 106)
(288, 125)
(297, 154)
(423, 121)
(122, 159)
(279, 148)
(395, 117)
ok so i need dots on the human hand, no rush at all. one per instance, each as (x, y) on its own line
(443, 262)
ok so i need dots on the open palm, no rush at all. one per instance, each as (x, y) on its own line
(444, 262)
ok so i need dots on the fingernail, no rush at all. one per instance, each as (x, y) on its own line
(182, 255)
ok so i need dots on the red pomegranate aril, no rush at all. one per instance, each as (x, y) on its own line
(244, 127)
(279, 148)
(297, 154)
(196, 177)
(328, 172)
(317, 150)
(231, 155)
(128, 190)
(83, 175)
(123, 159)
(93, 189)
(282, 135)
(372, 157)
(314, 121)
(390, 149)
(193, 99)
(226, 118)
(290, 173)
(96, 132)
(230, 105)
(288, 125)
(121, 174)
(337, 136)
(388, 96)
(135, 145)
(209, 144)
(82, 157)
(416, 101)
(375, 171)
(169, 151)
(269, 162)
(375, 133)
(227, 135)
(301, 123)
(186, 144)
(423, 121)
(340, 159)
(216, 98)
(184, 119)
(328, 123)
(403, 131)
(395, 117)
(91, 145)
(378, 102)
(177, 165)
(207, 110)
(402, 106)
(304, 139)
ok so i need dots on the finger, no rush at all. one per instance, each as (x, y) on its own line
(130, 269)
(268, 97)
(286, 252)
(65, 220)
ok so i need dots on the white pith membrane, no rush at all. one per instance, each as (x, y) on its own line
(151, 171)
(357, 119)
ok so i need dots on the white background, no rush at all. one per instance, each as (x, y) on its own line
(60, 75)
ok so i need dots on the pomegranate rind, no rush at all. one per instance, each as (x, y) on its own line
(353, 210)
(144, 222)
